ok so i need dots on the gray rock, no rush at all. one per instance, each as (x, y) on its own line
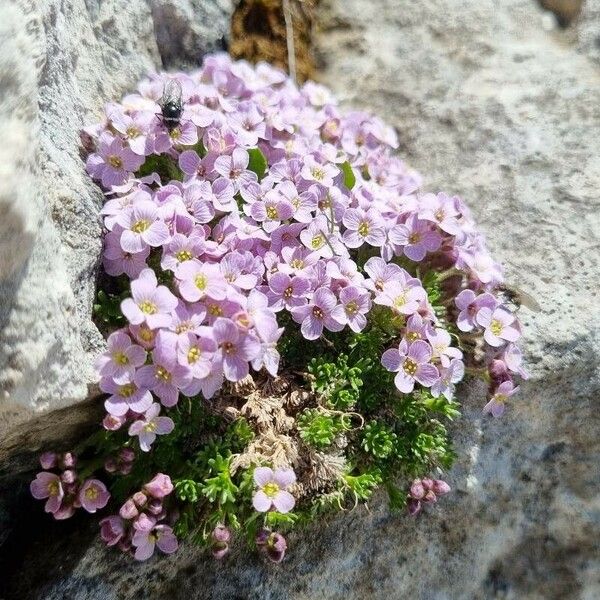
(59, 63)
(490, 106)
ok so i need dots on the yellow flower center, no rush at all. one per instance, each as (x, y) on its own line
(400, 301)
(439, 214)
(127, 390)
(146, 334)
(140, 226)
(318, 173)
(91, 493)
(411, 336)
(352, 307)
(148, 307)
(228, 348)
(200, 281)
(271, 489)
(193, 354)
(297, 263)
(115, 161)
(363, 229)
(215, 310)
(150, 427)
(410, 366)
(496, 327)
(175, 133)
(162, 373)
(53, 488)
(317, 313)
(183, 327)
(271, 212)
(120, 358)
(132, 132)
(317, 242)
(414, 237)
(287, 293)
(184, 255)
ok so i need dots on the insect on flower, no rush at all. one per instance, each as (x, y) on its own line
(171, 104)
(519, 297)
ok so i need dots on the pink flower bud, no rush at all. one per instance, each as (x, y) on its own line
(112, 423)
(129, 510)
(155, 507)
(112, 530)
(429, 496)
(220, 550)
(68, 476)
(440, 487)
(125, 468)
(48, 460)
(110, 465)
(417, 491)
(144, 522)
(414, 507)
(69, 460)
(127, 455)
(160, 486)
(221, 534)
(427, 483)
(140, 499)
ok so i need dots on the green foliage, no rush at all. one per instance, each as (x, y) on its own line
(320, 429)
(258, 162)
(349, 176)
(363, 485)
(107, 309)
(164, 165)
(334, 380)
(378, 439)
(219, 488)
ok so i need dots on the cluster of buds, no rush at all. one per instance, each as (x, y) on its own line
(425, 491)
(140, 525)
(220, 538)
(64, 491)
(122, 463)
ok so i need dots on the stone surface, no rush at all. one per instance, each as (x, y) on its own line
(492, 107)
(60, 62)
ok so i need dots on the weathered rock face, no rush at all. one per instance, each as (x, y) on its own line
(59, 63)
(492, 107)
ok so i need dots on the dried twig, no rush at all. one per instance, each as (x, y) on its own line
(289, 38)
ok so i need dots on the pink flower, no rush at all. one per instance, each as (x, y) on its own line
(441, 210)
(125, 396)
(160, 536)
(151, 426)
(196, 351)
(469, 305)
(411, 364)
(235, 168)
(440, 341)
(416, 238)
(449, 376)
(122, 357)
(355, 304)
(286, 291)
(499, 326)
(159, 487)
(403, 295)
(151, 303)
(142, 227)
(114, 161)
(497, 403)
(198, 280)
(236, 349)
(317, 172)
(272, 489)
(48, 485)
(93, 495)
(363, 226)
(273, 544)
(317, 314)
(112, 530)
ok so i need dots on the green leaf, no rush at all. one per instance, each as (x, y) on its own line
(258, 162)
(349, 177)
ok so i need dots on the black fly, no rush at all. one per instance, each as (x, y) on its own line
(171, 104)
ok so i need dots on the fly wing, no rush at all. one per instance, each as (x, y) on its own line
(171, 92)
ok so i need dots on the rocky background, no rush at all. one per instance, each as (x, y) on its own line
(492, 101)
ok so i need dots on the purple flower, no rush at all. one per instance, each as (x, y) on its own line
(182, 248)
(499, 326)
(317, 172)
(116, 261)
(497, 403)
(112, 530)
(221, 536)
(48, 460)
(236, 349)
(273, 544)
(441, 210)
(122, 357)
(270, 211)
(248, 124)
(411, 364)
(160, 536)
(363, 226)
(402, 295)
(303, 203)
(151, 303)
(48, 485)
(286, 291)
(142, 227)
(269, 356)
(449, 376)
(134, 128)
(159, 487)
(114, 161)
(355, 303)
(272, 489)
(440, 341)
(125, 396)
(469, 304)
(151, 426)
(416, 238)
(425, 491)
(382, 272)
(513, 358)
(235, 168)
(234, 268)
(318, 313)
(166, 376)
(196, 351)
(198, 280)
(93, 495)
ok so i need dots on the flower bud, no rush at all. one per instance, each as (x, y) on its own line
(160, 486)
(110, 465)
(125, 468)
(221, 534)
(69, 460)
(68, 476)
(112, 423)
(48, 460)
(417, 491)
(140, 499)
(155, 507)
(414, 507)
(127, 455)
(440, 487)
(129, 510)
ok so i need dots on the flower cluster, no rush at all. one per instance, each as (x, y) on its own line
(425, 491)
(267, 208)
